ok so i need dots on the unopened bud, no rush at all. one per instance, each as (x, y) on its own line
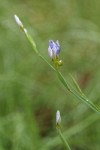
(58, 119)
(18, 21)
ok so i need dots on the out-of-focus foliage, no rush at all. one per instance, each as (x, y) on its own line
(30, 93)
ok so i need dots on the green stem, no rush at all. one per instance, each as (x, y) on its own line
(78, 93)
(47, 62)
(63, 139)
(80, 96)
(30, 39)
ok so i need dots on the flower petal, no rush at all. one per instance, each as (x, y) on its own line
(50, 52)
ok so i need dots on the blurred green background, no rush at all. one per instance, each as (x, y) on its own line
(30, 92)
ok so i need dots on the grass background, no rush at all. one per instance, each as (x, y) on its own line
(30, 92)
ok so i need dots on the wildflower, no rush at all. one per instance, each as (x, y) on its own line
(54, 49)
(58, 118)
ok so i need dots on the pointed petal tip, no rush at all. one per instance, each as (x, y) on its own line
(18, 21)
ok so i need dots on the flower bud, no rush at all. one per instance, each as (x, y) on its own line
(58, 119)
(59, 62)
(18, 21)
(54, 49)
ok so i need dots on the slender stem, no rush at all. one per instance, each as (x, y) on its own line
(78, 93)
(63, 139)
(46, 61)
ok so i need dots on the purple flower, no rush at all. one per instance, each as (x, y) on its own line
(54, 49)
